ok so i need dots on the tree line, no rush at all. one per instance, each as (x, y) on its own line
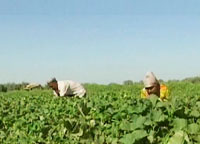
(19, 86)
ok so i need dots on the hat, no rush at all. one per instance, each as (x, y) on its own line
(150, 79)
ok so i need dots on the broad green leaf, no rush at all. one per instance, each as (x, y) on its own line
(151, 136)
(139, 134)
(154, 99)
(195, 113)
(127, 139)
(125, 125)
(138, 122)
(193, 128)
(114, 141)
(160, 104)
(198, 104)
(177, 138)
(197, 138)
(132, 137)
(101, 139)
(179, 123)
(148, 122)
(157, 116)
(138, 109)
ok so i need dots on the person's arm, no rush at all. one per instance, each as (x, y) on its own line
(62, 93)
(55, 93)
(143, 94)
(164, 94)
(63, 89)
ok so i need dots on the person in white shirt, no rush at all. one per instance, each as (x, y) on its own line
(67, 88)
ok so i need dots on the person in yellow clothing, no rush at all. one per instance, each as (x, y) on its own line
(152, 86)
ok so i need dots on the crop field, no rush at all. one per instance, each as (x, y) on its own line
(112, 114)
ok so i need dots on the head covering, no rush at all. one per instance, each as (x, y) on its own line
(150, 79)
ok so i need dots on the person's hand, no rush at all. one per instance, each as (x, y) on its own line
(57, 92)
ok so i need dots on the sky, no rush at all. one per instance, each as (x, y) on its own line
(98, 41)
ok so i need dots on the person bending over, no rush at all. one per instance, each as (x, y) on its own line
(67, 88)
(153, 87)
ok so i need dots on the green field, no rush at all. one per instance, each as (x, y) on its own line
(109, 114)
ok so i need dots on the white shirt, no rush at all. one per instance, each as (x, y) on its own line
(68, 87)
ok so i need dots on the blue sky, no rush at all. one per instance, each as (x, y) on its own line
(98, 41)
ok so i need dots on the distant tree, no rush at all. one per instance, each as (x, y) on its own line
(46, 86)
(161, 80)
(23, 85)
(3, 88)
(113, 84)
(128, 82)
(192, 79)
(174, 80)
(140, 82)
(12, 86)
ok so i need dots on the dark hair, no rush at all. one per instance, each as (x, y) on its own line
(52, 80)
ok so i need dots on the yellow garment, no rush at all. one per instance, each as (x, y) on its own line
(164, 93)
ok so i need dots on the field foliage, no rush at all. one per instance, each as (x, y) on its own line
(109, 114)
